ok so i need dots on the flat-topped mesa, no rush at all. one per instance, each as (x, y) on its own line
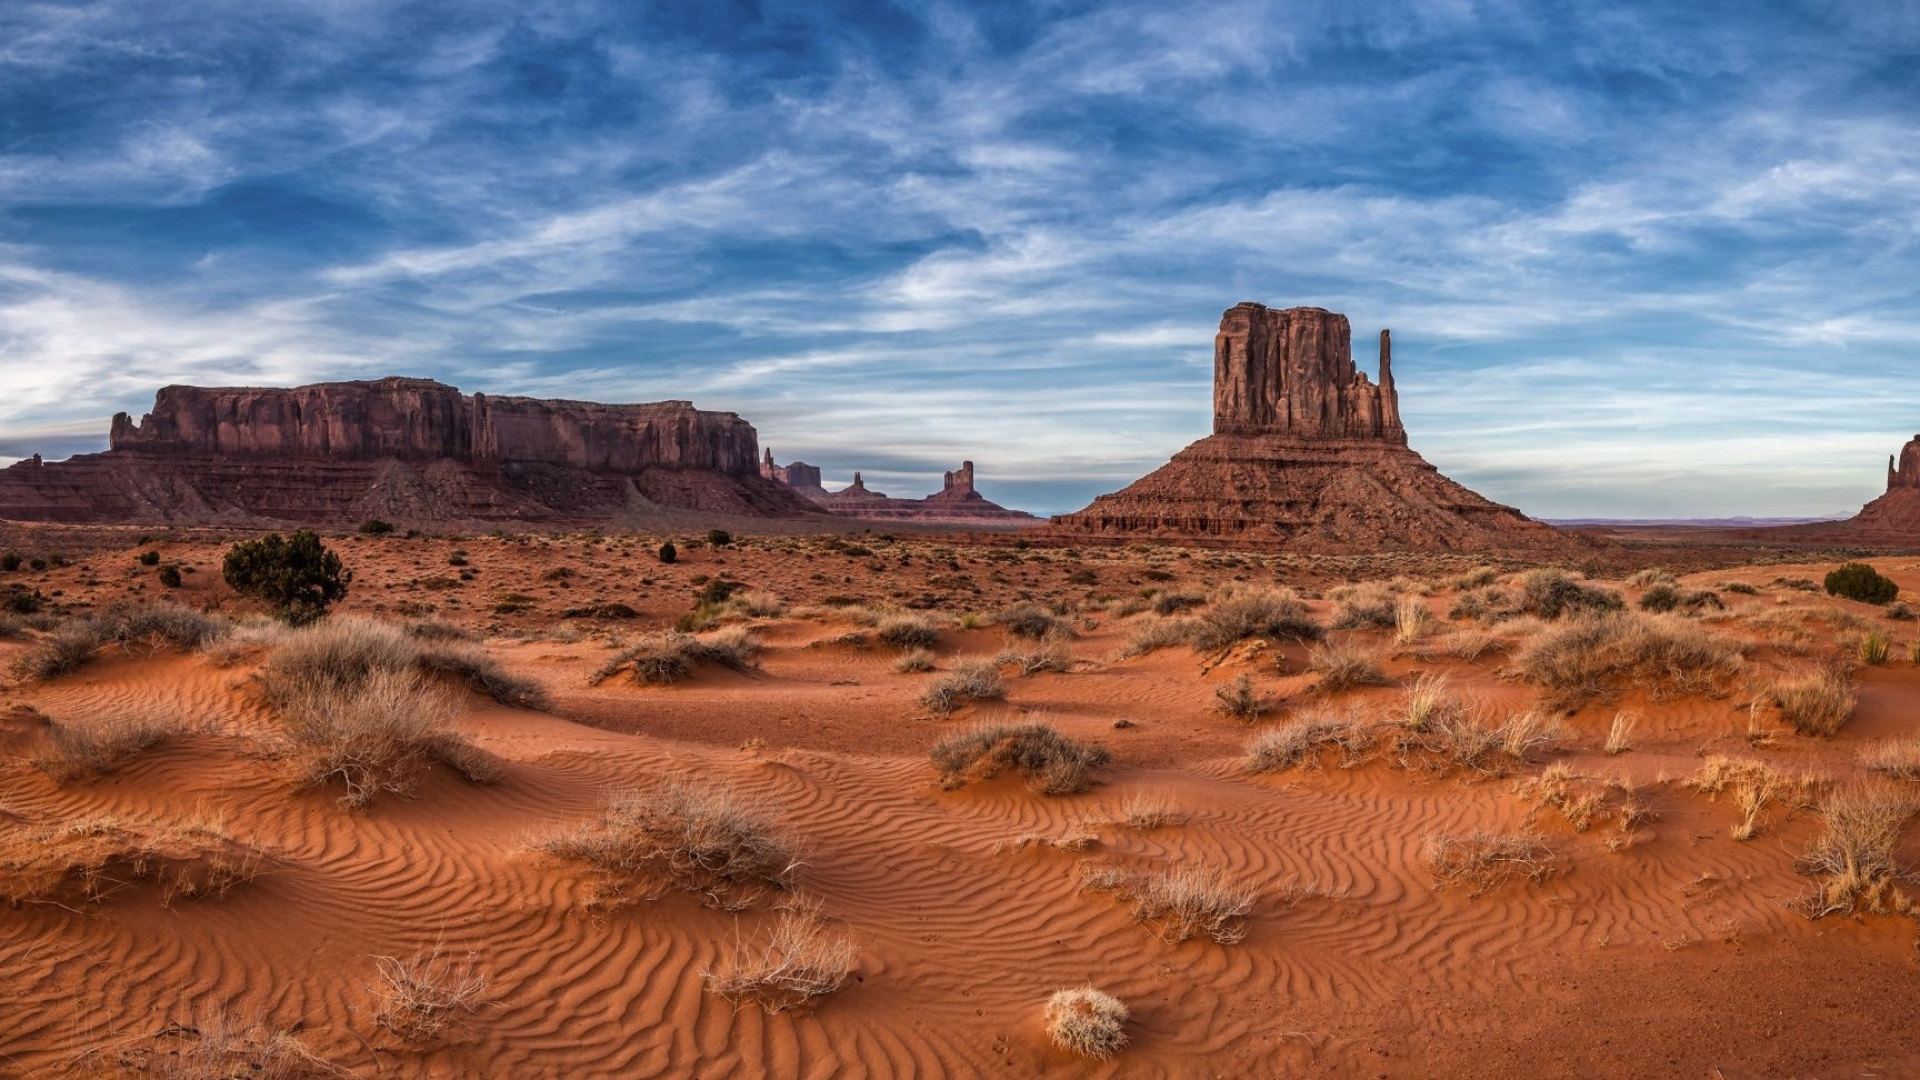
(1903, 471)
(421, 420)
(1290, 372)
(956, 503)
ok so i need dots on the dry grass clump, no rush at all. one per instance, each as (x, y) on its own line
(1412, 620)
(1896, 758)
(1055, 655)
(1300, 742)
(1584, 802)
(1799, 628)
(1755, 785)
(970, 680)
(1160, 633)
(1178, 904)
(1170, 602)
(1342, 666)
(1619, 732)
(89, 859)
(798, 963)
(913, 662)
(1874, 648)
(1476, 578)
(136, 627)
(757, 605)
(1154, 809)
(1275, 614)
(1239, 700)
(1554, 594)
(1815, 700)
(1030, 621)
(1590, 657)
(1458, 734)
(1487, 603)
(907, 631)
(1086, 1021)
(698, 839)
(62, 652)
(218, 1045)
(83, 750)
(341, 653)
(665, 658)
(419, 995)
(1371, 606)
(1052, 763)
(1854, 853)
(376, 736)
(1484, 860)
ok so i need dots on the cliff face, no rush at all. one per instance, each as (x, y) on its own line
(1903, 471)
(411, 450)
(1290, 373)
(1894, 517)
(1307, 452)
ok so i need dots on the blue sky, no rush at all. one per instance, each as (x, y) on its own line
(1639, 259)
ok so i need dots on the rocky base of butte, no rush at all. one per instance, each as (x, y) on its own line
(956, 503)
(1307, 453)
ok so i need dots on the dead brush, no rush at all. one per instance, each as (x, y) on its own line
(89, 749)
(1343, 666)
(913, 662)
(1052, 763)
(1274, 614)
(1300, 742)
(1854, 854)
(215, 1045)
(1584, 802)
(1152, 809)
(665, 658)
(1593, 656)
(907, 631)
(1055, 656)
(1371, 606)
(1815, 700)
(1468, 737)
(1619, 732)
(1240, 700)
(1179, 904)
(344, 653)
(1755, 785)
(374, 736)
(1895, 758)
(1086, 1021)
(969, 680)
(798, 962)
(1483, 860)
(1413, 621)
(691, 837)
(1157, 632)
(421, 994)
(87, 860)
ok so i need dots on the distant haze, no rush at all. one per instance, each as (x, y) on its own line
(1641, 260)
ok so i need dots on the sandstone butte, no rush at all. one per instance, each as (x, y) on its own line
(403, 450)
(956, 503)
(1893, 518)
(1306, 453)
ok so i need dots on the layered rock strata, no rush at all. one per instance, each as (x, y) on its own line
(406, 450)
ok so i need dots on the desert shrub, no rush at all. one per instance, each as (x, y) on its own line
(800, 962)
(1668, 596)
(1477, 578)
(375, 736)
(342, 655)
(1344, 666)
(148, 558)
(483, 675)
(1554, 594)
(1899, 611)
(697, 839)
(1814, 700)
(1587, 657)
(1300, 741)
(87, 749)
(10, 562)
(1483, 861)
(1178, 904)
(1456, 735)
(970, 680)
(1412, 621)
(86, 860)
(1489, 603)
(1755, 785)
(1859, 581)
(1742, 588)
(65, 650)
(1641, 579)
(1086, 1021)
(419, 995)
(375, 527)
(298, 577)
(665, 658)
(1276, 614)
(215, 1045)
(668, 553)
(1028, 621)
(169, 577)
(907, 631)
(20, 600)
(158, 624)
(719, 538)
(1154, 633)
(1897, 758)
(1240, 700)
(1874, 648)
(1052, 763)
(1363, 607)
(1054, 655)
(1173, 603)
(758, 605)
(1854, 853)
(1150, 810)
(913, 662)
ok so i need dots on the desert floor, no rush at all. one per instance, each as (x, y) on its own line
(1651, 943)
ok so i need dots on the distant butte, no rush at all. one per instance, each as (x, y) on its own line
(956, 503)
(1307, 453)
(405, 450)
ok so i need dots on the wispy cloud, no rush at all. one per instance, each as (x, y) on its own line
(1638, 258)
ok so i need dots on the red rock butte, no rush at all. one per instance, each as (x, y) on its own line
(1895, 516)
(1307, 453)
(956, 503)
(405, 450)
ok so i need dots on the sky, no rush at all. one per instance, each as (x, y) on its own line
(1639, 259)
